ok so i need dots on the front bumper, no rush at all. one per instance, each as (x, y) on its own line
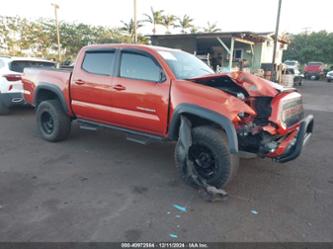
(303, 135)
(312, 74)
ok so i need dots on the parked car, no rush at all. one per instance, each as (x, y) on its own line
(329, 76)
(314, 70)
(11, 89)
(292, 77)
(161, 94)
(298, 76)
(292, 64)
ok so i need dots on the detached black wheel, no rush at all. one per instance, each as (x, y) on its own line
(210, 156)
(53, 123)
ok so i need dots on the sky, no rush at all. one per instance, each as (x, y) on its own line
(230, 15)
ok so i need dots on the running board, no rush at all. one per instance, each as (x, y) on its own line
(133, 136)
(138, 139)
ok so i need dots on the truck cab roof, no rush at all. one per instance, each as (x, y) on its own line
(128, 45)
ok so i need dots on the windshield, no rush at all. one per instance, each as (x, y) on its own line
(290, 63)
(315, 63)
(185, 65)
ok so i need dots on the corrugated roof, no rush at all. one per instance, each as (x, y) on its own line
(248, 35)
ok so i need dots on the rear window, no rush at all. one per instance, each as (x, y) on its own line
(19, 66)
(98, 62)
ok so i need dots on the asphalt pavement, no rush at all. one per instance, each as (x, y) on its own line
(97, 186)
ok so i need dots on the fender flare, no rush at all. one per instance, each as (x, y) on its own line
(51, 88)
(207, 114)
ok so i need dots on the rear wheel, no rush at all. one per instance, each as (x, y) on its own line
(210, 156)
(53, 123)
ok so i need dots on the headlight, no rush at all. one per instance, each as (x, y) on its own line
(292, 112)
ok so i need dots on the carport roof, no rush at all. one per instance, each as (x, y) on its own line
(245, 35)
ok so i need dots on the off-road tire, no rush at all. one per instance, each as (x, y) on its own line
(61, 121)
(215, 139)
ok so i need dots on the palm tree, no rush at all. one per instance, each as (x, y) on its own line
(169, 21)
(185, 23)
(195, 30)
(128, 27)
(155, 18)
(211, 28)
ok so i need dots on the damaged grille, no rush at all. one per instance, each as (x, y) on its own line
(292, 111)
(263, 108)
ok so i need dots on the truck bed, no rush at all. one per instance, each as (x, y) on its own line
(57, 78)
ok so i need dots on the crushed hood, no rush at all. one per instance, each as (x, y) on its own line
(254, 85)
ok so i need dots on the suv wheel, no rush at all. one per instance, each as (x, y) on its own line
(53, 123)
(210, 156)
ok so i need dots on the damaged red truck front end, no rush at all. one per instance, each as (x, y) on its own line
(270, 118)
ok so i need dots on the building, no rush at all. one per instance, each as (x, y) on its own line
(248, 49)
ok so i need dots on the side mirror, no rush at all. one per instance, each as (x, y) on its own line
(162, 77)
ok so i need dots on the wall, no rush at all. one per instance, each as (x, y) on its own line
(267, 51)
(186, 44)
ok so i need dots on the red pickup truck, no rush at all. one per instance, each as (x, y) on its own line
(314, 70)
(161, 94)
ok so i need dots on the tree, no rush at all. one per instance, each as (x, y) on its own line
(185, 23)
(316, 46)
(169, 21)
(195, 30)
(128, 27)
(155, 18)
(211, 28)
(21, 37)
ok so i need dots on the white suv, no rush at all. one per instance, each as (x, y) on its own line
(11, 88)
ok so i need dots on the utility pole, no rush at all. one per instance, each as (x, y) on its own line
(135, 22)
(56, 7)
(276, 40)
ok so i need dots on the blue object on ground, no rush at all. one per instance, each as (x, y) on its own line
(180, 208)
(255, 212)
(174, 236)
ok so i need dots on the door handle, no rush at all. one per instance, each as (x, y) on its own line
(80, 82)
(119, 87)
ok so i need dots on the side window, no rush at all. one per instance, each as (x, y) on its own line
(98, 62)
(238, 54)
(140, 67)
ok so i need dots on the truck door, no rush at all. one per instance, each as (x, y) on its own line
(141, 93)
(91, 86)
